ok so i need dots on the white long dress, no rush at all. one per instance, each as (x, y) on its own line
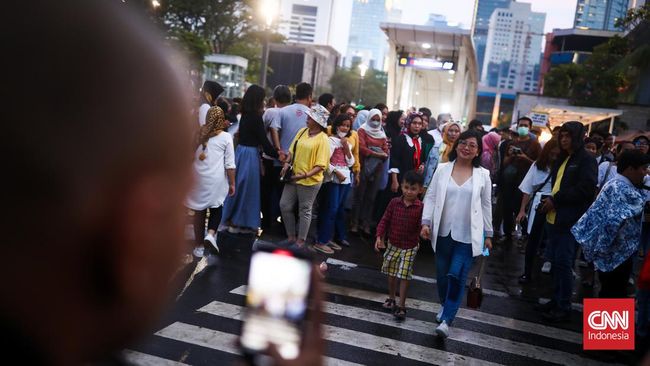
(211, 181)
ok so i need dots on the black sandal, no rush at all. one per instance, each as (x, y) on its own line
(400, 313)
(389, 305)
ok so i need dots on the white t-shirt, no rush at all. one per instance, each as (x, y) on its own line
(457, 211)
(602, 172)
(203, 113)
(271, 118)
(533, 179)
(211, 181)
(437, 136)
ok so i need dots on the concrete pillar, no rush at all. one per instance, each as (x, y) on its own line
(495, 110)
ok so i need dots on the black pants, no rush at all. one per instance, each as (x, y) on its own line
(511, 202)
(271, 191)
(614, 284)
(199, 224)
(535, 238)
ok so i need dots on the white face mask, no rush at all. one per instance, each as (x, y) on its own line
(341, 134)
(374, 124)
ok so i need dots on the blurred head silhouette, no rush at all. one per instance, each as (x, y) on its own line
(97, 151)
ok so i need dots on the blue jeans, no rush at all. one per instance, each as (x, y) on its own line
(333, 213)
(561, 253)
(453, 263)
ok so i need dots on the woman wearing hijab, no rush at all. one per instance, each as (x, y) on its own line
(457, 218)
(409, 151)
(209, 94)
(394, 123)
(449, 136)
(373, 151)
(241, 212)
(214, 171)
(489, 156)
(361, 118)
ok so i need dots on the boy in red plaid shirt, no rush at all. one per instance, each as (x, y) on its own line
(401, 224)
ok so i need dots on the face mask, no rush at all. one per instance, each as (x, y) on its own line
(522, 131)
(374, 124)
(342, 134)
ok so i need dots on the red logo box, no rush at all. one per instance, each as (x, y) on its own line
(608, 324)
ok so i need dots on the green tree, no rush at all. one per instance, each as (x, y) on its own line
(634, 17)
(599, 83)
(559, 81)
(347, 83)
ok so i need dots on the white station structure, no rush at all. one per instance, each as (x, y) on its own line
(433, 67)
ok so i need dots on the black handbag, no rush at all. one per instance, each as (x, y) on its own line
(288, 173)
(475, 292)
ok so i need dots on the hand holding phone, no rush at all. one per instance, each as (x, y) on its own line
(279, 287)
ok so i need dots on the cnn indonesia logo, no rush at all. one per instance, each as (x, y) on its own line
(608, 324)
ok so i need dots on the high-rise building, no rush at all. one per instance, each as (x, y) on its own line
(367, 43)
(512, 55)
(483, 10)
(599, 14)
(318, 22)
(635, 4)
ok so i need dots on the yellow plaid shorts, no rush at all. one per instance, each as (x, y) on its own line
(399, 262)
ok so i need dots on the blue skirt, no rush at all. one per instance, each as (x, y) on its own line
(243, 209)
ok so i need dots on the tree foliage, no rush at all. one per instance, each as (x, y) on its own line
(346, 85)
(634, 17)
(595, 83)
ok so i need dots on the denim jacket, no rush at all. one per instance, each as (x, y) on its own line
(430, 166)
(610, 231)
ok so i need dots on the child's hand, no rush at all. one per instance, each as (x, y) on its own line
(340, 176)
(379, 244)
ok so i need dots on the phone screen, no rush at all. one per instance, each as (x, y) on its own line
(276, 301)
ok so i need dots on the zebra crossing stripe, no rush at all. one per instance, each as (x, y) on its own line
(474, 315)
(356, 339)
(220, 341)
(457, 334)
(143, 359)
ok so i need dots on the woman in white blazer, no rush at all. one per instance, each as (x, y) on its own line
(457, 217)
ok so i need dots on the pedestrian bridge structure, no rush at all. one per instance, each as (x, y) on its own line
(433, 67)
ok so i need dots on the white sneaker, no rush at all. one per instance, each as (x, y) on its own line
(546, 268)
(212, 241)
(443, 330)
(439, 315)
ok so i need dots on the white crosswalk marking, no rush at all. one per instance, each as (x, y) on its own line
(143, 359)
(217, 340)
(457, 334)
(474, 315)
(363, 340)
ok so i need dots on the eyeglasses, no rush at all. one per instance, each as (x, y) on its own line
(641, 143)
(469, 145)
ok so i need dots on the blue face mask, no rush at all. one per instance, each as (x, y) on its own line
(523, 131)
(374, 124)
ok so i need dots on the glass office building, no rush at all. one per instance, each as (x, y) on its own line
(481, 25)
(367, 43)
(600, 14)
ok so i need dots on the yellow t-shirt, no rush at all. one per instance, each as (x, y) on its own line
(550, 217)
(311, 152)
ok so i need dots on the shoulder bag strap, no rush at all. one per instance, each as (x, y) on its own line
(293, 153)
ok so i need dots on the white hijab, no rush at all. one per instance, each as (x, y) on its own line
(374, 132)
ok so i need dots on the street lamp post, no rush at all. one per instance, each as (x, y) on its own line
(269, 9)
(362, 72)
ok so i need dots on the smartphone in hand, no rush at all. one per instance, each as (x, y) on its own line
(277, 297)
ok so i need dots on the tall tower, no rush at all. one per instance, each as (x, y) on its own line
(367, 43)
(483, 10)
(512, 54)
(600, 14)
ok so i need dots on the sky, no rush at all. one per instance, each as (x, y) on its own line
(559, 13)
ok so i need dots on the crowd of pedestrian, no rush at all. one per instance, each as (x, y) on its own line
(405, 177)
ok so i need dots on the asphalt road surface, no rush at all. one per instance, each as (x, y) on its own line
(204, 324)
